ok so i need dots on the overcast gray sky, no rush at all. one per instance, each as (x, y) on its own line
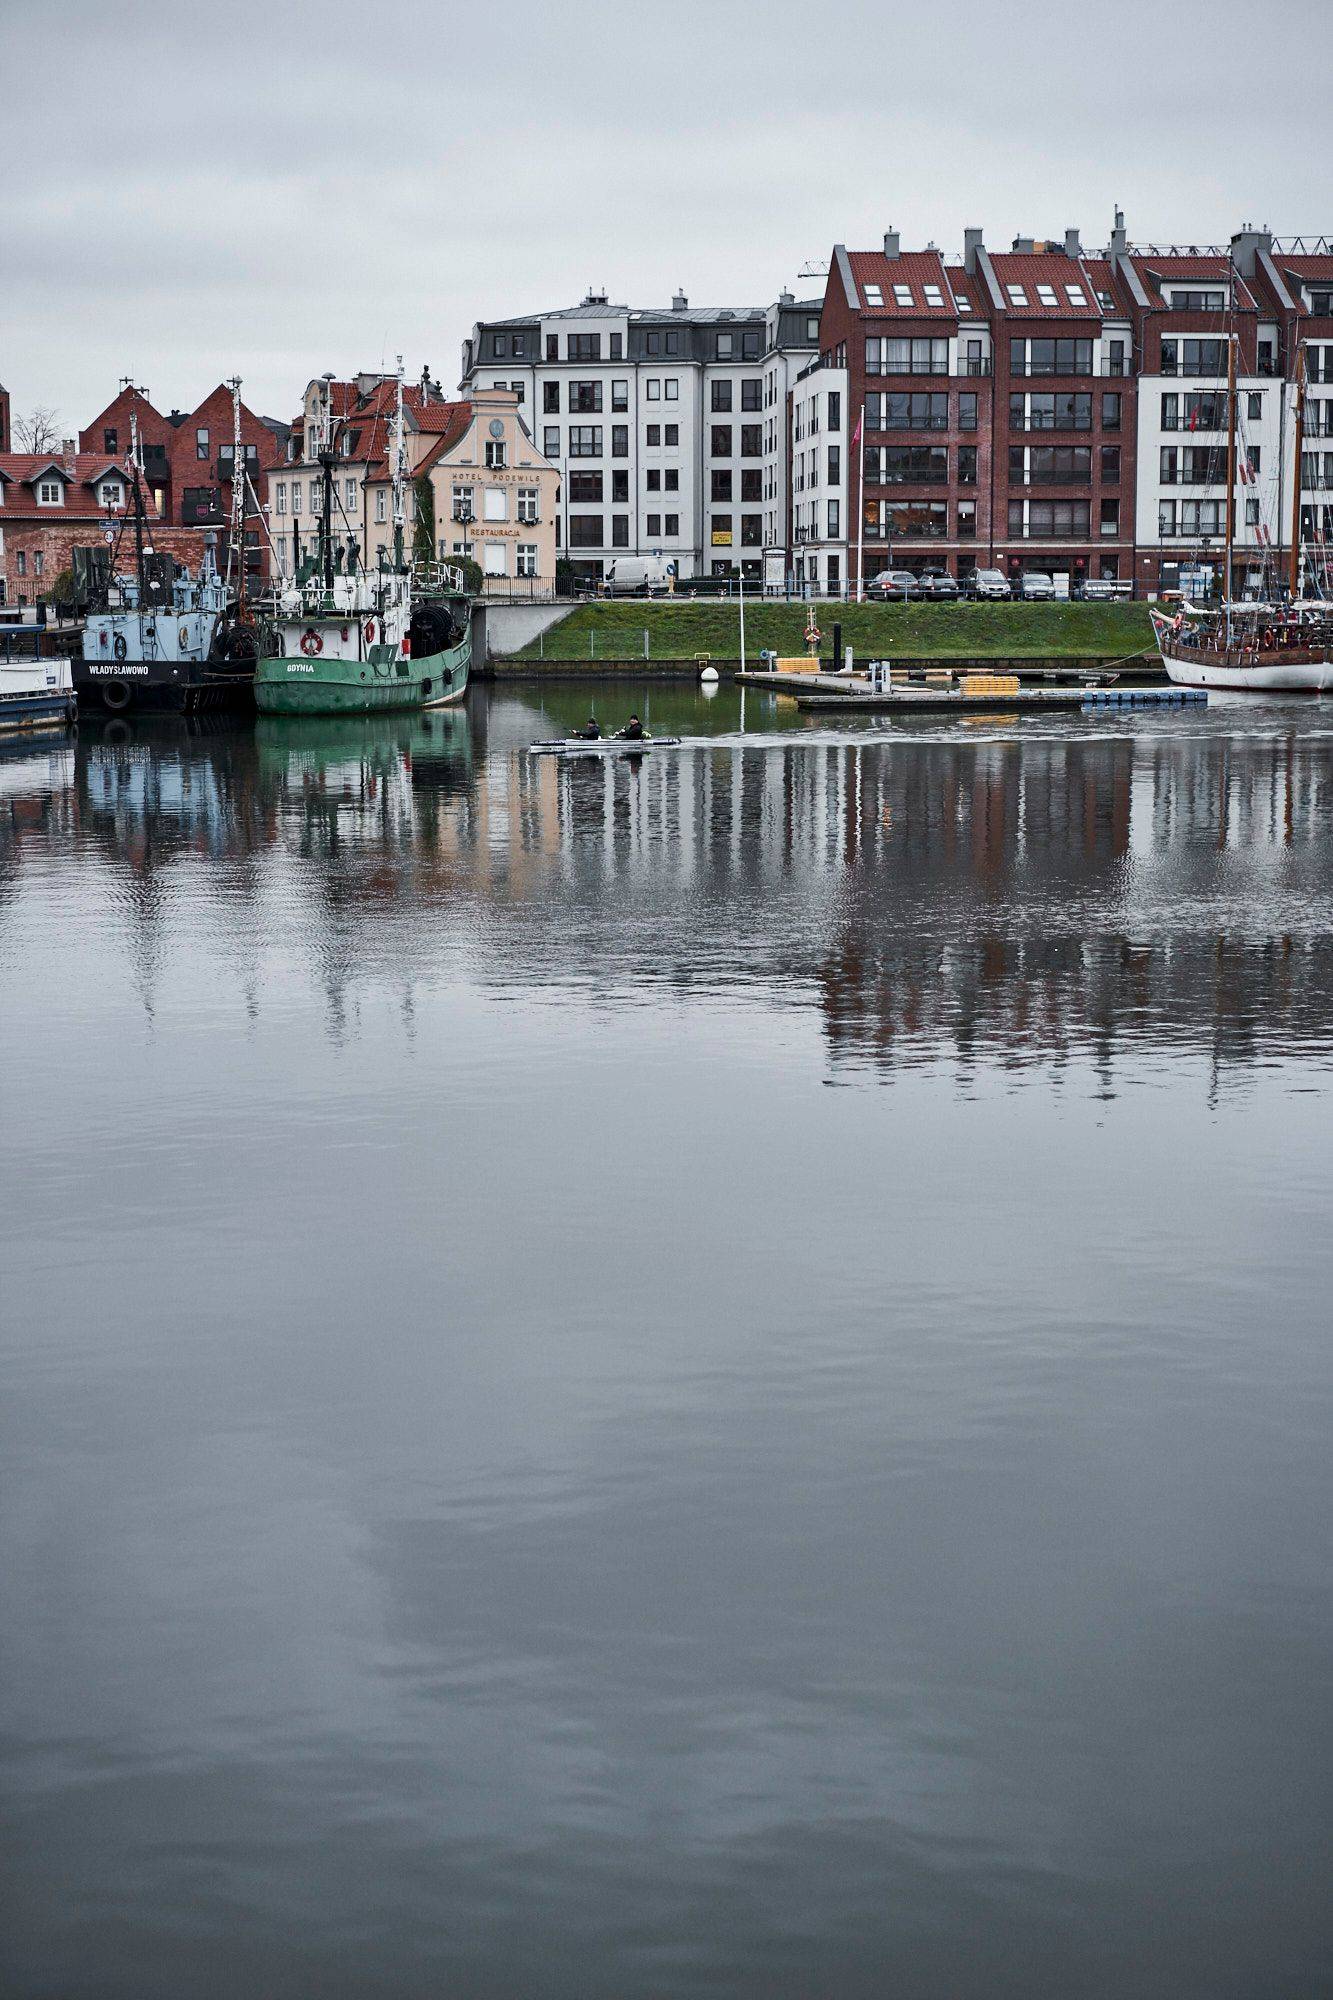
(274, 188)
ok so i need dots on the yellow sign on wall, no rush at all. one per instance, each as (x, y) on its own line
(722, 538)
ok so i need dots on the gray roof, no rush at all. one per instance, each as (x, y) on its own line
(667, 315)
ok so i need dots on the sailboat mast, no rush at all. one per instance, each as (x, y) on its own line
(326, 459)
(1231, 433)
(138, 507)
(399, 472)
(237, 496)
(1294, 553)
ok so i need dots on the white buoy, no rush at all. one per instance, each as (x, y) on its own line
(708, 676)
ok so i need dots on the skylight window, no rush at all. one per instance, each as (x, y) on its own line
(1106, 302)
(1046, 295)
(1076, 295)
(934, 296)
(964, 304)
(1017, 296)
(874, 296)
(903, 295)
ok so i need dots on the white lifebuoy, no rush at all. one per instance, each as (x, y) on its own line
(184, 636)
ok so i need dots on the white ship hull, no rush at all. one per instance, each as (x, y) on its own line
(1263, 676)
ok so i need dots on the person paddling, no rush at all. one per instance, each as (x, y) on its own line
(633, 731)
(592, 733)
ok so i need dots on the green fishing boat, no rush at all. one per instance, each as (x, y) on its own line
(338, 639)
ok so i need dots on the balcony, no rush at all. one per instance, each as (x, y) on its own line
(973, 365)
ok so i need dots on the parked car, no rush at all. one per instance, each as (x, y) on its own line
(893, 584)
(991, 583)
(1099, 590)
(938, 584)
(639, 576)
(1037, 586)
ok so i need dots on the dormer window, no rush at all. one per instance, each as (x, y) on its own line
(50, 493)
(347, 444)
(111, 494)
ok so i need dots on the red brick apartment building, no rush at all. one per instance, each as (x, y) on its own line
(1022, 410)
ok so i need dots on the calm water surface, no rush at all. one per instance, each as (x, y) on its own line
(700, 1378)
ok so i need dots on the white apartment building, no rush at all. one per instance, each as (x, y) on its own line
(668, 427)
(821, 447)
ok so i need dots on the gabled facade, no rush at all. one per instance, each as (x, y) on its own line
(51, 503)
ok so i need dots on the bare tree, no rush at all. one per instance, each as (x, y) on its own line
(40, 431)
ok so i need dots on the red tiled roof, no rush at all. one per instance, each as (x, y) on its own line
(1028, 269)
(447, 420)
(1103, 277)
(24, 468)
(1210, 270)
(914, 269)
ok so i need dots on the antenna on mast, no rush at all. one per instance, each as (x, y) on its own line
(399, 469)
(236, 552)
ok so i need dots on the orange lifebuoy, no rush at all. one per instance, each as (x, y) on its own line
(407, 647)
(370, 632)
(311, 643)
(1269, 639)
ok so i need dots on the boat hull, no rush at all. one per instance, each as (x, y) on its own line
(113, 687)
(1273, 675)
(300, 686)
(35, 694)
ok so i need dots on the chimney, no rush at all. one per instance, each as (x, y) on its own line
(679, 303)
(1073, 248)
(972, 242)
(1245, 247)
(67, 453)
(786, 298)
(891, 243)
(1119, 240)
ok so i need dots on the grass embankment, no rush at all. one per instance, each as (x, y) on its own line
(614, 631)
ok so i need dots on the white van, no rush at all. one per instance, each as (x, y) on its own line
(638, 576)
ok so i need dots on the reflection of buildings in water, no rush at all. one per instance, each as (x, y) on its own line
(1018, 897)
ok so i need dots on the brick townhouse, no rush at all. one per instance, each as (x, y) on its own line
(1050, 408)
(51, 502)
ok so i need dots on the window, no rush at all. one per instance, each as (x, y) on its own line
(967, 410)
(834, 464)
(21, 559)
(617, 346)
(928, 356)
(1046, 295)
(381, 503)
(834, 518)
(552, 347)
(1254, 406)
(835, 410)
(874, 295)
(1050, 465)
(282, 496)
(550, 398)
(50, 493)
(752, 393)
(1049, 520)
(110, 493)
(653, 526)
(495, 504)
(967, 465)
(1115, 363)
(1198, 302)
(752, 440)
(672, 386)
(907, 464)
(903, 410)
(902, 295)
(620, 487)
(551, 441)
(1017, 296)
(1050, 357)
(527, 504)
(201, 444)
(671, 436)
(751, 344)
(296, 497)
(38, 562)
(1076, 295)
(1050, 410)
(585, 397)
(671, 524)
(652, 435)
(501, 346)
(620, 531)
(721, 484)
(1110, 465)
(725, 346)
(620, 395)
(585, 346)
(1194, 357)
(934, 296)
(526, 564)
(964, 303)
(752, 485)
(967, 520)
(1251, 513)
(585, 531)
(496, 454)
(653, 389)
(654, 480)
(906, 520)
(493, 558)
(585, 488)
(585, 441)
(620, 440)
(1111, 410)
(721, 397)
(109, 440)
(720, 444)
(1110, 522)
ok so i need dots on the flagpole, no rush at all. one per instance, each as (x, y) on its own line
(861, 514)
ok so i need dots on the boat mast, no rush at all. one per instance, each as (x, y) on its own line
(1231, 432)
(399, 472)
(138, 505)
(1294, 553)
(326, 460)
(237, 497)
